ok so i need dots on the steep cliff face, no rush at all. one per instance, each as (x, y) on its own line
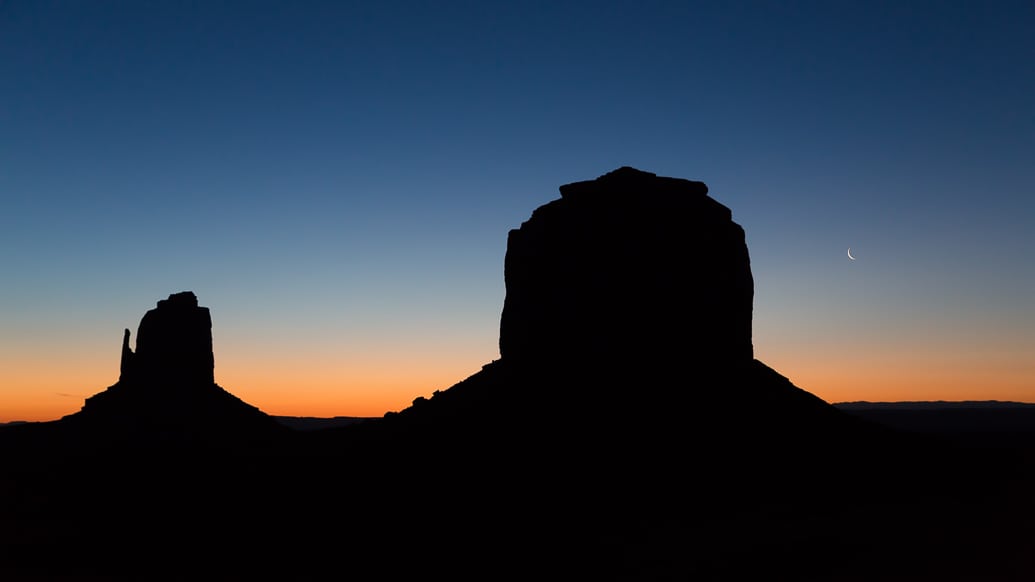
(174, 344)
(628, 268)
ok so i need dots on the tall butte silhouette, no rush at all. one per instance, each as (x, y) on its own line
(166, 390)
(625, 341)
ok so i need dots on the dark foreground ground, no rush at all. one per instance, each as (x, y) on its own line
(318, 510)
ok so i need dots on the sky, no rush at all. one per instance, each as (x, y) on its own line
(336, 181)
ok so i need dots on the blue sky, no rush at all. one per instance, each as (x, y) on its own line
(336, 180)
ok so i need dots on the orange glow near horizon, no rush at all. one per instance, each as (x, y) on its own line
(348, 389)
(33, 396)
(42, 399)
(367, 385)
(343, 390)
(894, 374)
(369, 380)
(887, 386)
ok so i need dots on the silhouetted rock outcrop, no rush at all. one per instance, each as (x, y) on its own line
(626, 328)
(629, 268)
(166, 390)
(174, 344)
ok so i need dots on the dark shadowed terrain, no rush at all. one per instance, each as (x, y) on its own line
(626, 433)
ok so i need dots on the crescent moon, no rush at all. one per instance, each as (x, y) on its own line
(850, 254)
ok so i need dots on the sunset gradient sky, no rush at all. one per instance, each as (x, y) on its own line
(336, 180)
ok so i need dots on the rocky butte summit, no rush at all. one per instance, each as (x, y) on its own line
(630, 268)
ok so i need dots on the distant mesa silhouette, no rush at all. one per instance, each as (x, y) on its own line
(166, 388)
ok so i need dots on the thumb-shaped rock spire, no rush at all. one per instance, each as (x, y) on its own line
(174, 344)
